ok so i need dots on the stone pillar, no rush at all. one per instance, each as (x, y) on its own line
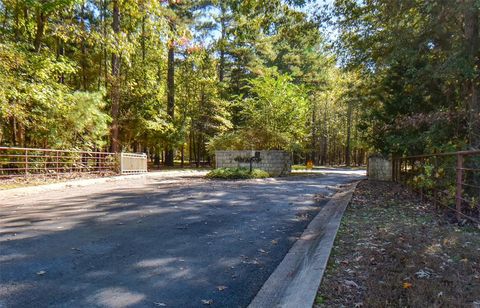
(379, 168)
(276, 163)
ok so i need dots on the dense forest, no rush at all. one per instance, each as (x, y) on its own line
(180, 78)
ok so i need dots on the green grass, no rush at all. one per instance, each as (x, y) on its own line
(236, 174)
(299, 167)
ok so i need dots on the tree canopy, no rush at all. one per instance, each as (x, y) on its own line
(179, 79)
(420, 63)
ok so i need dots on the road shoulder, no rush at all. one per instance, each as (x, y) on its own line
(35, 189)
(295, 282)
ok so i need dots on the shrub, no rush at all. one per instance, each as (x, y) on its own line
(259, 174)
(236, 174)
(299, 167)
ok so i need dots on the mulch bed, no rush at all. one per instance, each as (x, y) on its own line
(392, 250)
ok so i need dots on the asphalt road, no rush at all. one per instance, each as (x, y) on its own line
(174, 241)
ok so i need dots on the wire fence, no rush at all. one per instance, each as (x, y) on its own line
(449, 180)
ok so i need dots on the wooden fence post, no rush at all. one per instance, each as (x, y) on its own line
(458, 193)
(26, 163)
(57, 170)
(435, 193)
(121, 163)
(394, 169)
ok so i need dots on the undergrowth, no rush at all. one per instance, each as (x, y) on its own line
(236, 174)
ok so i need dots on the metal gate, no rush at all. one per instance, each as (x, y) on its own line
(133, 163)
(25, 162)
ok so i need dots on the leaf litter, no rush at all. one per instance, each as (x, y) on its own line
(394, 250)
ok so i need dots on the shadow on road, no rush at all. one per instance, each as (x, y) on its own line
(172, 243)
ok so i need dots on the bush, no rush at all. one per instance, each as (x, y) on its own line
(299, 167)
(236, 174)
(259, 174)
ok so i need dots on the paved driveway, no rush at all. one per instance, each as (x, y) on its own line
(172, 241)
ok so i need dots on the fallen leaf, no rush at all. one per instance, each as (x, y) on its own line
(350, 283)
(423, 274)
(274, 242)
(407, 285)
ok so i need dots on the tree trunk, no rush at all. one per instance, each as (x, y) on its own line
(190, 152)
(5, 18)
(221, 65)
(325, 140)
(314, 134)
(21, 134)
(13, 123)
(41, 18)
(182, 156)
(473, 85)
(105, 55)
(198, 149)
(334, 152)
(355, 134)
(349, 131)
(17, 22)
(156, 158)
(144, 51)
(323, 161)
(26, 17)
(115, 83)
(83, 61)
(194, 148)
(169, 153)
(100, 67)
(61, 52)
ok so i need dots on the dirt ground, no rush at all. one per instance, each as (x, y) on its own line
(394, 251)
(35, 180)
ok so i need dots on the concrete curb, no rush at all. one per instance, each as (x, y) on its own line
(295, 282)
